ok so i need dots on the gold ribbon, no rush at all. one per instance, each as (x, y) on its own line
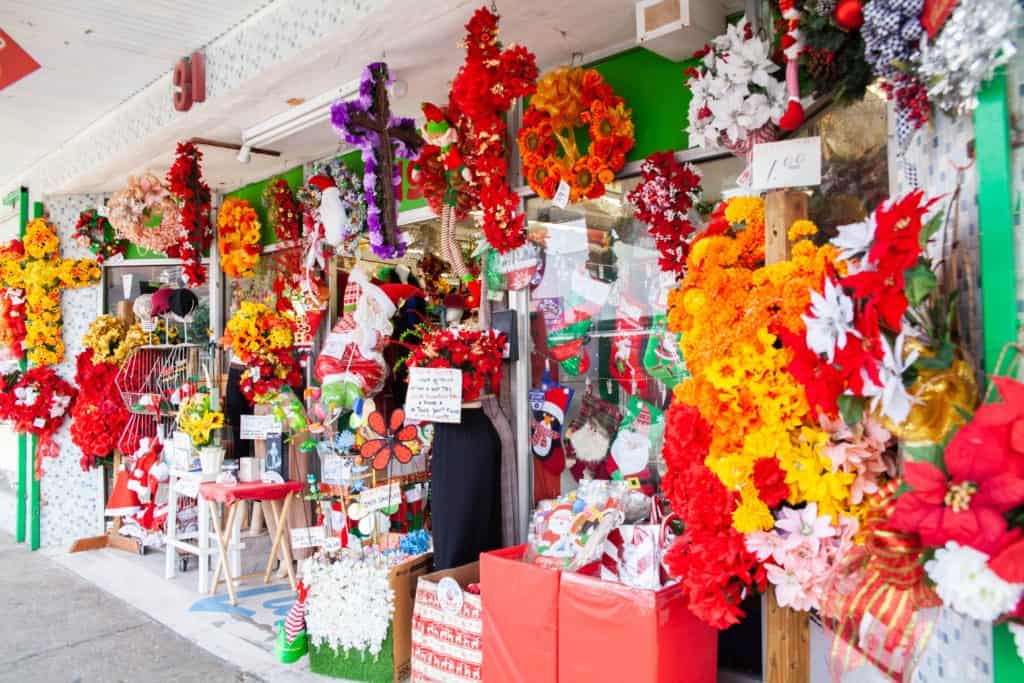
(873, 604)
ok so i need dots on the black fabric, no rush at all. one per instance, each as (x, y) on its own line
(236, 405)
(465, 496)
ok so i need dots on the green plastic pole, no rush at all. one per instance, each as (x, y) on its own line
(23, 470)
(995, 217)
(33, 543)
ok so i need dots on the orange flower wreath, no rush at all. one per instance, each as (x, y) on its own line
(569, 98)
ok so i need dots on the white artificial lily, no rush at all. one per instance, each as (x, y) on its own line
(855, 239)
(830, 321)
(892, 395)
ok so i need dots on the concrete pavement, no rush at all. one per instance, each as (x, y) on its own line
(59, 627)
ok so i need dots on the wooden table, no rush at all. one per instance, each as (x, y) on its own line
(280, 498)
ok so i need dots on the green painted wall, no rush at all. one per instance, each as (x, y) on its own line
(653, 88)
(253, 193)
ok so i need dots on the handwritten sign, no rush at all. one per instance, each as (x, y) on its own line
(791, 163)
(308, 537)
(381, 497)
(435, 395)
(259, 427)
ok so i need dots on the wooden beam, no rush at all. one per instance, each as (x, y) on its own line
(788, 656)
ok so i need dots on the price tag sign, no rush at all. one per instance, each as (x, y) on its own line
(259, 427)
(435, 395)
(127, 280)
(187, 487)
(790, 163)
(308, 537)
(561, 198)
(381, 497)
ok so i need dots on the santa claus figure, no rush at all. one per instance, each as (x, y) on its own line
(331, 211)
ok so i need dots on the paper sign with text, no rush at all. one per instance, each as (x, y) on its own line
(381, 497)
(791, 163)
(259, 426)
(308, 537)
(435, 395)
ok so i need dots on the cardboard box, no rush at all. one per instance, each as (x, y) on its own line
(396, 654)
(447, 637)
(520, 618)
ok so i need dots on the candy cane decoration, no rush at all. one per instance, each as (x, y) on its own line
(450, 251)
(792, 45)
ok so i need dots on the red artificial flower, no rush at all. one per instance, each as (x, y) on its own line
(822, 382)
(1008, 564)
(863, 352)
(393, 439)
(898, 232)
(770, 480)
(185, 181)
(968, 505)
(1006, 421)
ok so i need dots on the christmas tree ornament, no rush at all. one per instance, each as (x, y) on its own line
(849, 14)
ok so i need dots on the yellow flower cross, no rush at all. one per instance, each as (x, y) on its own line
(42, 274)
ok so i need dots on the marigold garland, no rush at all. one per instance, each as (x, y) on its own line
(238, 238)
(569, 98)
(145, 214)
(91, 233)
(185, 180)
(41, 274)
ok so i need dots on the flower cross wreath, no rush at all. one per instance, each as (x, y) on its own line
(367, 123)
(43, 275)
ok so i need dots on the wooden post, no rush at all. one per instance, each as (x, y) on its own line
(788, 655)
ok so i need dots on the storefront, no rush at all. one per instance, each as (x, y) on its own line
(680, 348)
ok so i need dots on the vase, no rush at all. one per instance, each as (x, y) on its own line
(211, 458)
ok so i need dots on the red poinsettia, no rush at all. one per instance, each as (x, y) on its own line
(476, 352)
(822, 382)
(1006, 421)
(968, 505)
(393, 439)
(898, 227)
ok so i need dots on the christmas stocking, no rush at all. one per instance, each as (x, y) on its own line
(550, 403)
(627, 350)
(565, 342)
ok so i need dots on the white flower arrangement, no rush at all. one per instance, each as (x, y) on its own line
(966, 584)
(349, 605)
(735, 92)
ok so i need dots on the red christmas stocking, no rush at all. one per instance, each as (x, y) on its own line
(627, 350)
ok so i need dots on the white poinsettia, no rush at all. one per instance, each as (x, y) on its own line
(855, 239)
(736, 91)
(966, 584)
(891, 395)
(349, 605)
(830, 321)
(26, 396)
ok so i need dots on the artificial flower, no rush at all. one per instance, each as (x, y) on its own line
(889, 396)
(36, 402)
(238, 238)
(198, 420)
(283, 211)
(91, 232)
(145, 214)
(349, 605)
(858, 450)
(829, 321)
(185, 182)
(477, 353)
(99, 414)
(966, 584)
(663, 199)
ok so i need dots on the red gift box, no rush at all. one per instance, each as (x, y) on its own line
(520, 615)
(611, 632)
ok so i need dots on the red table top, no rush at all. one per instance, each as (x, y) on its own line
(256, 490)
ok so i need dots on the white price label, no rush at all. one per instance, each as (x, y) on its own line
(790, 163)
(126, 284)
(259, 427)
(434, 395)
(308, 537)
(561, 198)
(381, 497)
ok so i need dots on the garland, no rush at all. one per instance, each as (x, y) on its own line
(283, 211)
(145, 214)
(568, 98)
(99, 414)
(833, 54)
(91, 232)
(663, 199)
(262, 339)
(12, 306)
(36, 402)
(401, 133)
(238, 238)
(41, 274)
(483, 90)
(185, 180)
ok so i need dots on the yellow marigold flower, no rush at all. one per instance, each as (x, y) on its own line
(801, 228)
(745, 211)
(752, 515)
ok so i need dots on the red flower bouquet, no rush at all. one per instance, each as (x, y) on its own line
(98, 415)
(185, 181)
(477, 353)
(36, 402)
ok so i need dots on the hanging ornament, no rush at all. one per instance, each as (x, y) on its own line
(792, 45)
(849, 14)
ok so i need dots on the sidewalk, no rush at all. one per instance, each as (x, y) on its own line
(60, 627)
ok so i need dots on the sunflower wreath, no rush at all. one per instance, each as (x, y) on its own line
(569, 98)
(91, 232)
(238, 238)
